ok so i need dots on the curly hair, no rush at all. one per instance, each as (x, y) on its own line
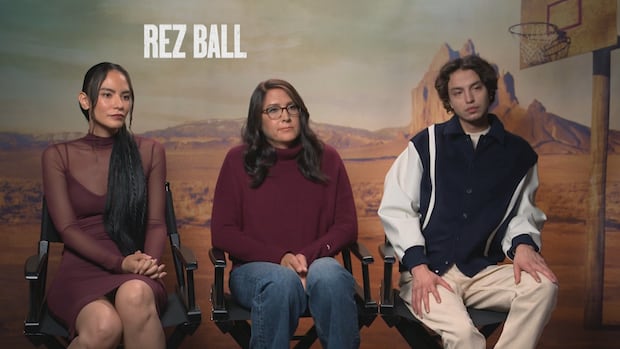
(486, 72)
(260, 154)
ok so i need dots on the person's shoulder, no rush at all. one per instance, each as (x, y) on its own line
(50, 150)
(66, 142)
(517, 140)
(422, 135)
(329, 152)
(236, 151)
(234, 159)
(235, 154)
(329, 149)
(520, 148)
(54, 147)
(499, 129)
(147, 142)
(150, 145)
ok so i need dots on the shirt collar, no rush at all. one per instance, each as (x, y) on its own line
(288, 153)
(497, 131)
(98, 141)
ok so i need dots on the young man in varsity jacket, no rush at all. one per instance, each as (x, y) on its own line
(456, 203)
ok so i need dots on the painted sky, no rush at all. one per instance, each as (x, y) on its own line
(354, 62)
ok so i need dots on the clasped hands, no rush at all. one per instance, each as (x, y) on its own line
(143, 264)
(298, 263)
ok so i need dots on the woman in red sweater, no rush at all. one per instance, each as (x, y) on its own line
(283, 207)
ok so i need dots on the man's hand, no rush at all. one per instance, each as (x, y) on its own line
(298, 264)
(528, 260)
(424, 283)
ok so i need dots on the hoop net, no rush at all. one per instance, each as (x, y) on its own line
(541, 42)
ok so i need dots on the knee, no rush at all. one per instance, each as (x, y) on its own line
(284, 283)
(105, 331)
(328, 272)
(541, 295)
(280, 293)
(135, 297)
(547, 290)
(328, 275)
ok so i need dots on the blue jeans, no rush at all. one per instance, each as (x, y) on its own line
(277, 299)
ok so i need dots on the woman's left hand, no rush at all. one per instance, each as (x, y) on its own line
(148, 266)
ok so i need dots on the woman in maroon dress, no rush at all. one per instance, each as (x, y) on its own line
(105, 194)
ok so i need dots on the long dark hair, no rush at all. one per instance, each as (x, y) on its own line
(260, 154)
(125, 209)
(486, 72)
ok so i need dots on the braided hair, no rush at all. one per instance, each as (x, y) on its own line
(125, 211)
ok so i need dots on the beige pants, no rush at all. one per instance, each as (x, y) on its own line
(529, 304)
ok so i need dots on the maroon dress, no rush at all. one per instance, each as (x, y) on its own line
(75, 178)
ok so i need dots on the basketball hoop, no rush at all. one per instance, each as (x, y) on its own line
(541, 42)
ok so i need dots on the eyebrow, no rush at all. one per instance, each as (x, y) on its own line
(107, 89)
(456, 88)
(279, 105)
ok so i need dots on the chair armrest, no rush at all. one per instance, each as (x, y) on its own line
(186, 256)
(34, 266)
(387, 253)
(363, 255)
(218, 259)
(385, 291)
(35, 272)
(185, 283)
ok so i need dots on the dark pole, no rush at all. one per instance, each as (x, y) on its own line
(595, 221)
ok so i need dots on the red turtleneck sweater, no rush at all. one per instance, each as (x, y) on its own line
(286, 213)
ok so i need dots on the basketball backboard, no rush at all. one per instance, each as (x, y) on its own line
(555, 29)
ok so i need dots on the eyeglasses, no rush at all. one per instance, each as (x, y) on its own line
(274, 112)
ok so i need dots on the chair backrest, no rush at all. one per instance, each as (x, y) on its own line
(173, 234)
(48, 230)
(171, 219)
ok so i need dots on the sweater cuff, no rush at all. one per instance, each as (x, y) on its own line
(414, 256)
(518, 240)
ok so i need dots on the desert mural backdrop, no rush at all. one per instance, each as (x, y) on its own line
(365, 69)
